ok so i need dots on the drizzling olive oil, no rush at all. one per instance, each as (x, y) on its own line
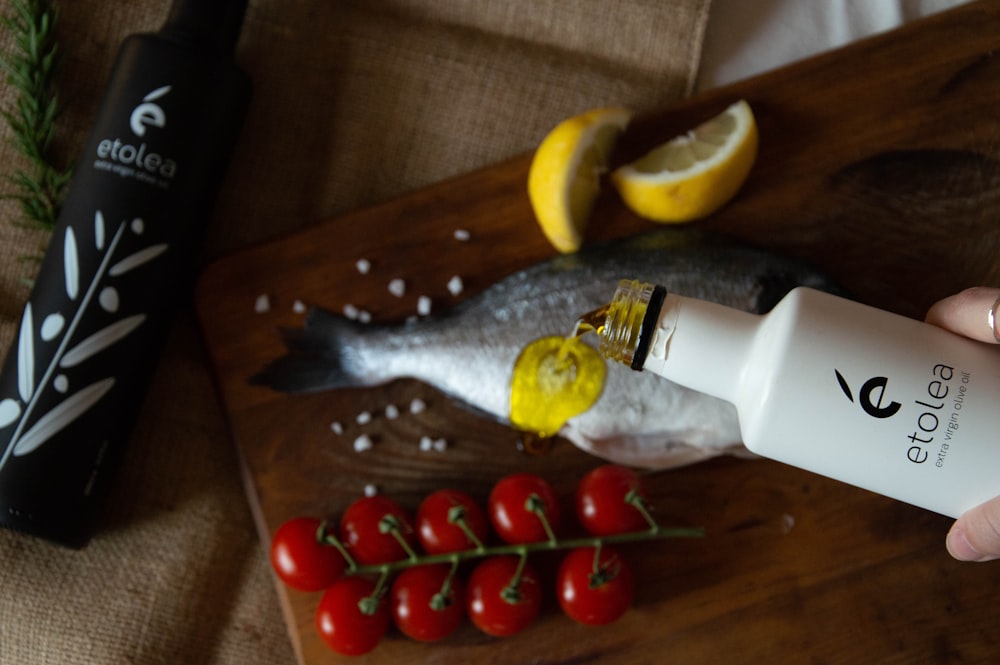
(554, 379)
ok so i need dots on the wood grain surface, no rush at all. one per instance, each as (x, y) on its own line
(878, 163)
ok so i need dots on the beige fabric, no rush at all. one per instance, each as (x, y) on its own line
(356, 101)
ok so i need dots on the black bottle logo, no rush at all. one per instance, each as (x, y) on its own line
(871, 397)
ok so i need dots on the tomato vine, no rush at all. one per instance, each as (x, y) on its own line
(377, 541)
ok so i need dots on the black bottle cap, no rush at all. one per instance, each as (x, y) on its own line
(648, 327)
(214, 24)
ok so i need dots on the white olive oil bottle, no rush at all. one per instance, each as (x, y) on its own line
(883, 402)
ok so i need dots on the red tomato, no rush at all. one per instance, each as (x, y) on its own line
(438, 534)
(600, 501)
(360, 530)
(594, 599)
(509, 513)
(493, 605)
(420, 610)
(301, 560)
(341, 622)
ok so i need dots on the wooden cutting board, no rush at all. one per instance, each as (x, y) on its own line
(878, 163)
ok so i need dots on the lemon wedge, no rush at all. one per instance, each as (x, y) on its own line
(564, 178)
(695, 174)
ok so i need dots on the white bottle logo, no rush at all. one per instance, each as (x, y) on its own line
(136, 160)
(149, 114)
(871, 396)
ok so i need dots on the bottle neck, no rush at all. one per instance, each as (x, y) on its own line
(698, 344)
(214, 24)
(622, 324)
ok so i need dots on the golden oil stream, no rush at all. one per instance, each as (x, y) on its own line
(554, 379)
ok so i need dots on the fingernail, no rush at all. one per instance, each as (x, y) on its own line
(994, 319)
(959, 547)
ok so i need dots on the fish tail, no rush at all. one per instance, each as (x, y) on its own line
(317, 356)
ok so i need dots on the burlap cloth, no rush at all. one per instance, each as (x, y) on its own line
(356, 101)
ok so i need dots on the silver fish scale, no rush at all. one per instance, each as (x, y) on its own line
(469, 351)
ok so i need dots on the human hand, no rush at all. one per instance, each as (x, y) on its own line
(974, 313)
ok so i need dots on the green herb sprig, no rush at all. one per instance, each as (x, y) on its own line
(31, 68)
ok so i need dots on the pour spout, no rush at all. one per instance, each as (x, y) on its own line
(593, 321)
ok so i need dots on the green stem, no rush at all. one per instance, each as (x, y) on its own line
(536, 505)
(456, 516)
(512, 592)
(634, 499)
(654, 533)
(390, 524)
(327, 537)
(601, 575)
(369, 604)
(596, 566)
(442, 599)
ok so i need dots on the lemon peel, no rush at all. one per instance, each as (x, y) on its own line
(695, 174)
(564, 177)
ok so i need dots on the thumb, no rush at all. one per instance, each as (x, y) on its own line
(973, 313)
(975, 536)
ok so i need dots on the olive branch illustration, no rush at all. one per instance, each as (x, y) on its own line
(56, 329)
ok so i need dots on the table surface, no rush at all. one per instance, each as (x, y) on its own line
(878, 163)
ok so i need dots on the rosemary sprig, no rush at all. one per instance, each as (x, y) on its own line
(31, 70)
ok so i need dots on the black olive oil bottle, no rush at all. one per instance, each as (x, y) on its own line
(122, 255)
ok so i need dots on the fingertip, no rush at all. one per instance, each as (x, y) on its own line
(958, 545)
(960, 548)
(971, 313)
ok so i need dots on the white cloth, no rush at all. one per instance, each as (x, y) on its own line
(748, 37)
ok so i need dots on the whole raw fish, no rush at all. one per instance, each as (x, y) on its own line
(468, 352)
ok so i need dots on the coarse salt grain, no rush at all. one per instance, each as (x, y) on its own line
(462, 235)
(417, 405)
(370, 490)
(362, 443)
(363, 266)
(392, 412)
(336, 428)
(364, 316)
(787, 523)
(298, 307)
(397, 287)
(262, 304)
(423, 305)
(440, 445)
(351, 312)
(364, 418)
(455, 285)
(426, 443)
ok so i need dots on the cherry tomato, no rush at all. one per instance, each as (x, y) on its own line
(494, 606)
(438, 534)
(419, 608)
(594, 599)
(509, 512)
(361, 532)
(601, 504)
(341, 622)
(301, 560)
